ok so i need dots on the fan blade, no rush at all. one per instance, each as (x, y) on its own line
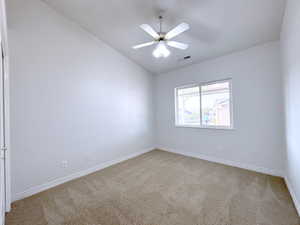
(143, 45)
(177, 30)
(179, 45)
(150, 30)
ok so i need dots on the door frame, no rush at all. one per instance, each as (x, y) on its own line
(2, 151)
(3, 27)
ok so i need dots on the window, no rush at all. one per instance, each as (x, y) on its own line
(206, 105)
(188, 106)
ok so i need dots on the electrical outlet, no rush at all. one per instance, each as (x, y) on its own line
(64, 164)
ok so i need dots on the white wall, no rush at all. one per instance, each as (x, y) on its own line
(257, 141)
(72, 98)
(290, 40)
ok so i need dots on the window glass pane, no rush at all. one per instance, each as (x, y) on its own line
(215, 104)
(188, 106)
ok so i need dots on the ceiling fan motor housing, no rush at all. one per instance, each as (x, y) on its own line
(161, 36)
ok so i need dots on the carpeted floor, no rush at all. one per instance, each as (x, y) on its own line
(161, 188)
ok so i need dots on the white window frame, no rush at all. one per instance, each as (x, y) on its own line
(201, 126)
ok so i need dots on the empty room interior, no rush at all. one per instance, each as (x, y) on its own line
(150, 112)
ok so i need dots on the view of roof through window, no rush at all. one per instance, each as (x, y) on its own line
(215, 104)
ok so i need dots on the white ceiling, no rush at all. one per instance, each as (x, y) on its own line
(218, 27)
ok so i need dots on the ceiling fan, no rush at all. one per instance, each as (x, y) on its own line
(162, 39)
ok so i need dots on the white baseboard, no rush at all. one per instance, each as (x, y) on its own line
(37, 189)
(293, 194)
(259, 169)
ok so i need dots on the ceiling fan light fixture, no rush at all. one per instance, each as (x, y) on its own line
(161, 50)
(162, 39)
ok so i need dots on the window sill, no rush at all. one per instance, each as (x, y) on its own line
(209, 128)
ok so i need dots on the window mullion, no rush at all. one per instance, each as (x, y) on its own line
(176, 107)
(200, 99)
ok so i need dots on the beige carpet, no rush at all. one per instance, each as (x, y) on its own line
(160, 188)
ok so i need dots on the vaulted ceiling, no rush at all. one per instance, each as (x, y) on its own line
(218, 27)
